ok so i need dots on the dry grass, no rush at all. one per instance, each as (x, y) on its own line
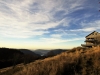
(78, 61)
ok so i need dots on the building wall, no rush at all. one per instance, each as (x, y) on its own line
(98, 38)
(95, 36)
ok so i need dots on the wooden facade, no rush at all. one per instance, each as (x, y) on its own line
(93, 39)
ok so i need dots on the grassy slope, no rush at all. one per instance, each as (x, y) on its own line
(75, 62)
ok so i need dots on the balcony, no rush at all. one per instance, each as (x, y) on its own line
(90, 40)
(87, 45)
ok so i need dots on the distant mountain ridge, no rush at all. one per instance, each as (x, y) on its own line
(55, 52)
(41, 52)
(26, 51)
(52, 52)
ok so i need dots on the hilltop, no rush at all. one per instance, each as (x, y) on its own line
(77, 61)
(54, 52)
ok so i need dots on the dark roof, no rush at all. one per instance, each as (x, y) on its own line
(91, 33)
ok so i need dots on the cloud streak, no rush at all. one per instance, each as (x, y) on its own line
(48, 21)
(58, 40)
(25, 17)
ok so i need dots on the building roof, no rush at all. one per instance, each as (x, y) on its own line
(91, 33)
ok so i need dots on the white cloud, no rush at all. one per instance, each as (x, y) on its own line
(62, 32)
(87, 27)
(56, 35)
(59, 40)
(23, 18)
(83, 29)
(95, 24)
(91, 26)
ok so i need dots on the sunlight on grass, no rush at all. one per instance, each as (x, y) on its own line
(77, 61)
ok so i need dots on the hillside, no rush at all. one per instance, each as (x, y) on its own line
(12, 57)
(77, 61)
(9, 57)
(54, 52)
(49, 53)
(41, 52)
(29, 52)
(7, 53)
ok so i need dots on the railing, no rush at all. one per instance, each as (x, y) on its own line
(87, 44)
(90, 40)
(92, 36)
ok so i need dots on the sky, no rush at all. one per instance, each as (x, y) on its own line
(47, 24)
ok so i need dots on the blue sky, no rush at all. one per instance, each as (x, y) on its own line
(47, 24)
